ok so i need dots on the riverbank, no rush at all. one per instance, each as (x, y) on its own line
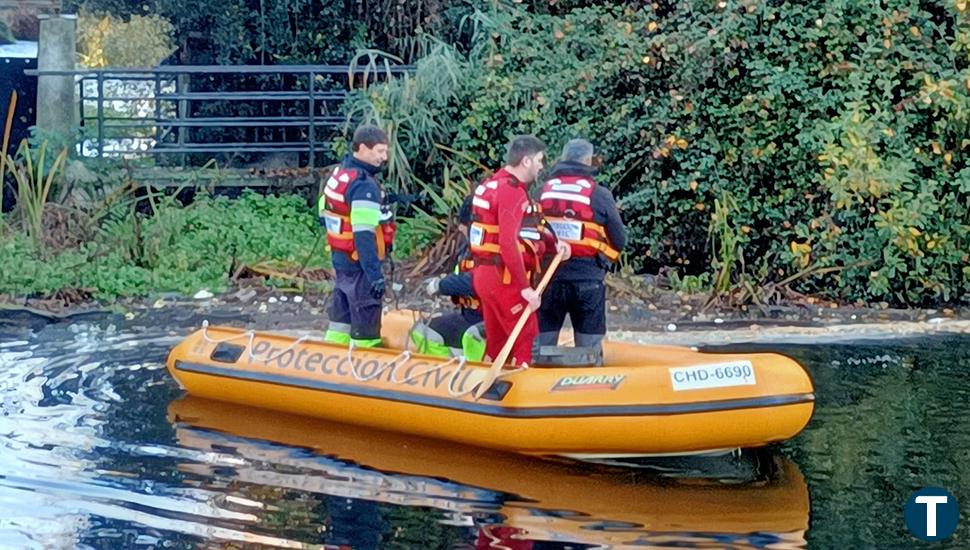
(247, 257)
(658, 316)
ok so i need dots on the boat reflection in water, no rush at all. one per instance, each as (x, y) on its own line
(757, 500)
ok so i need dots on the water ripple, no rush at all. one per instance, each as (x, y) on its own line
(99, 449)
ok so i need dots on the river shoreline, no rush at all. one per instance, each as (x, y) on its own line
(664, 317)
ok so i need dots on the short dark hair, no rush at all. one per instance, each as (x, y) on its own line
(369, 135)
(521, 147)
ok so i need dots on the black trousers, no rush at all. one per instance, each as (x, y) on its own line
(583, 301)
(353, 306)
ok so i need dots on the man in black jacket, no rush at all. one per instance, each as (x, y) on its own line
(360, 232)
(584, 214)
(457, 333)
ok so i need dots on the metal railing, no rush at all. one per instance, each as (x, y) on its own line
(175, 110)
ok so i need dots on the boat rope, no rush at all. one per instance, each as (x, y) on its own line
(454, 376)
(392, 364)
(250, 335)
(205, 335)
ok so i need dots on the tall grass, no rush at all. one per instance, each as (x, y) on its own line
(413, 109)
(34, 183)
(725, 243)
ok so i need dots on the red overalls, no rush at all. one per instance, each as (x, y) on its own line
(506, 252)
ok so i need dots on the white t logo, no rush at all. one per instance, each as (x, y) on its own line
(931, 503)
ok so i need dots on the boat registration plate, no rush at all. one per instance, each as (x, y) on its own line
(716, 375)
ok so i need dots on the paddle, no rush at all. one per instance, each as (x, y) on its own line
(503, 355)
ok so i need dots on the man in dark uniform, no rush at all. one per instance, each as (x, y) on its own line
(454, 334)
(360, 233)
(584, 214)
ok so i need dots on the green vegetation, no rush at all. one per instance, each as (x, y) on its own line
(290, 31)
(107, 41)
(820, 148)
(758, 148)
(34, 179)
(177, 248)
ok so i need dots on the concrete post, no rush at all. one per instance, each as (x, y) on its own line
(57, 112)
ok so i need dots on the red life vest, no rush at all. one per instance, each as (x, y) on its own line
(483, 233)
(567, 203)
(335, 210)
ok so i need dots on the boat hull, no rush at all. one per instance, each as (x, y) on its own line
(617, 410)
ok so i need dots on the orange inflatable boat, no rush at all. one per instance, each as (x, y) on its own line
(645, 400)
(762, 502)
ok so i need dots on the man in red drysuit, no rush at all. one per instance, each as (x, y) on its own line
(507, 240)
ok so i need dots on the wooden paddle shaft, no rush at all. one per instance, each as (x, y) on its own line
(507, 349)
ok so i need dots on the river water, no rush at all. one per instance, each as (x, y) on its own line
(100, 449)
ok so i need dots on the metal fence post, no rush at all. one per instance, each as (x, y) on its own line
(80, 94)
(313, 129)
(181, 87)
(100, 114)
(158, 107)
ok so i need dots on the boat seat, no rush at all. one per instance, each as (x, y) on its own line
(568, 356)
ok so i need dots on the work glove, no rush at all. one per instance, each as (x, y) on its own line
(532, 298)
(432, 285)
(377, 289)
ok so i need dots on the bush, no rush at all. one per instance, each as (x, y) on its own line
(25, 271)
(293, 31)
(180, 249)
(141, 41)
(838, 129)
(24, 24)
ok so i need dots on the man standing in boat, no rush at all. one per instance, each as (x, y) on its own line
(584, 214)
(454, 334)
(360, 232)
(507, 243)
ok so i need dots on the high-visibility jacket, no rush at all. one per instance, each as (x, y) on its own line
(567, 204)
(335, 211)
